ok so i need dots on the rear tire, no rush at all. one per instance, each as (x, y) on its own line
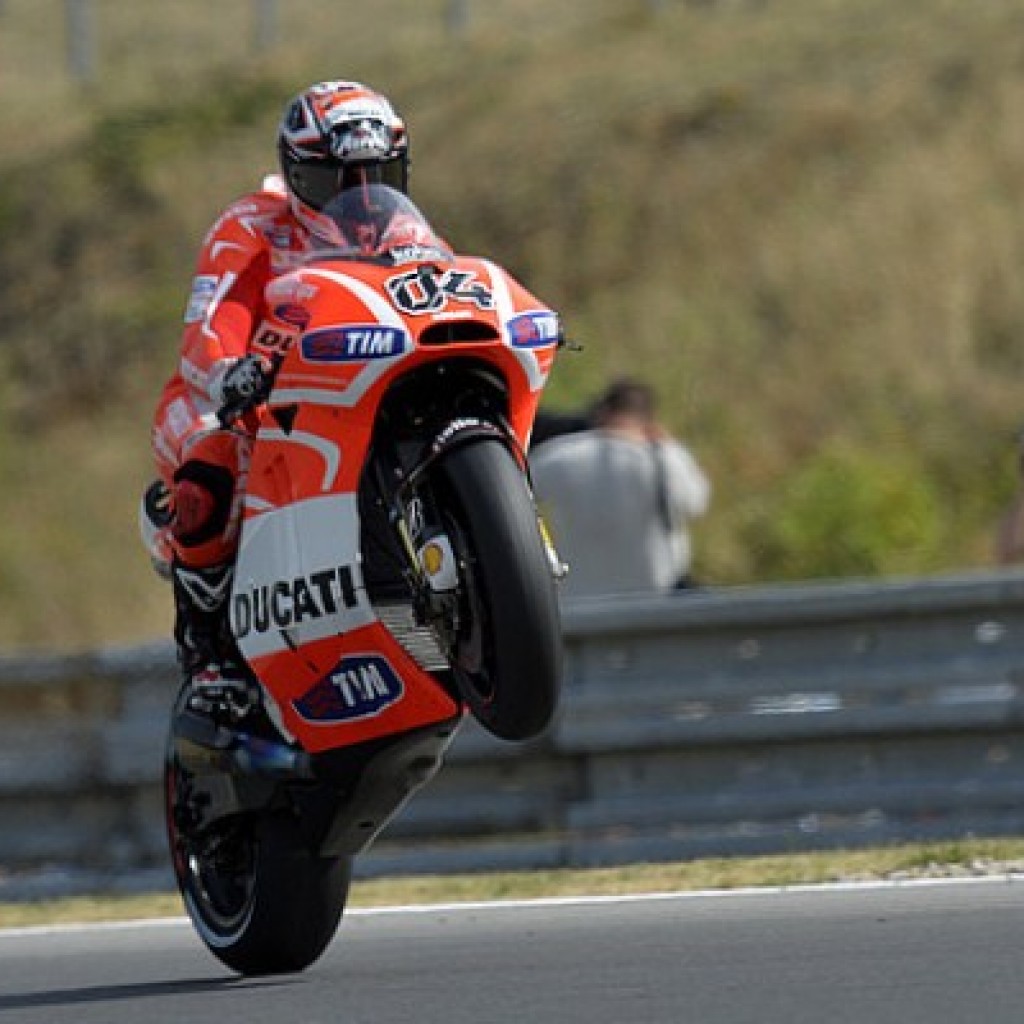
(507, 658)
(259, 898)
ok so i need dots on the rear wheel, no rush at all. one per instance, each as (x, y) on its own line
(507, 655)
(260, 899)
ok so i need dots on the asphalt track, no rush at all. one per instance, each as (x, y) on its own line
(911, 953)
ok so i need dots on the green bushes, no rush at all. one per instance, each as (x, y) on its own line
(848, 512)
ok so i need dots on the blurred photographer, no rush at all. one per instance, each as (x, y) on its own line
(619, 497)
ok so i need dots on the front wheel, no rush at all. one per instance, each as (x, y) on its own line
(507, 655)
(259, 898)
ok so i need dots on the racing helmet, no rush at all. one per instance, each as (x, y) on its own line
(334, 136)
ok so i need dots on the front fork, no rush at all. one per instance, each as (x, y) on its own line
(427, 546)
(432, 555)
(559, 569)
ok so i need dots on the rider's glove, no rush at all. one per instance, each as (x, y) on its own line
(242, 383)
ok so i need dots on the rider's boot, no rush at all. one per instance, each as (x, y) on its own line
(219, 686)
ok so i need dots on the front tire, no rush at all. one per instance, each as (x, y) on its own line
(507, 656)
(259, 898)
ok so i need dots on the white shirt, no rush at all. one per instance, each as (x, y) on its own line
(598, 494)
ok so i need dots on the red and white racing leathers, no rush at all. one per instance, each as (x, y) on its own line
(202, 465)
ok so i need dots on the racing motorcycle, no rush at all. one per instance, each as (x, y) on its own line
(393, 576)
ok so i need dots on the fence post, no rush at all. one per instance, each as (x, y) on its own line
(81, 39)
(458, 16)
(264, 24)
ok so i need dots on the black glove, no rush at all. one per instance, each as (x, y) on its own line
(245, 384)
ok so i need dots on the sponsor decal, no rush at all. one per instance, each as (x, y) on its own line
(359, 686)
(353, 343)
(459, 426)
(286, 603)
(428, 289)
(534, 330)
(414, 252)
(293, 314)
(271, 338)
(204, 287)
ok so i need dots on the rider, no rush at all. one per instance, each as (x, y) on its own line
(333, 136)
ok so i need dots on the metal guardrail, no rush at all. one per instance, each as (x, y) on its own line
(744, 720)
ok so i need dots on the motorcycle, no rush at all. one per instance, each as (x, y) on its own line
(393, 576)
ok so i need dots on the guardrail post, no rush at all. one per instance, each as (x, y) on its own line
(81, 39)
(264, 25)
(458, 16)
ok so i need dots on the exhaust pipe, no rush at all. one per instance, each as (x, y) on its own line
(205, 746)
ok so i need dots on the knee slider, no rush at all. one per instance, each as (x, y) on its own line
(202, 502)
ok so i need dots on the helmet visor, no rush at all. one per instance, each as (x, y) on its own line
(316, 183)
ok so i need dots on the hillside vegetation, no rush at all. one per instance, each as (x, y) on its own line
(802, 219)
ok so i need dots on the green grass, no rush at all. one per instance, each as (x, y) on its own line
(803, 221)
(955, 859)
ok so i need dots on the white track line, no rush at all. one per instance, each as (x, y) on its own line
(550, 901)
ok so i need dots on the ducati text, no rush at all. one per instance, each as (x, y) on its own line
(287, 603)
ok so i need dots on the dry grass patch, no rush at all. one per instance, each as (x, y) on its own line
(971, 858)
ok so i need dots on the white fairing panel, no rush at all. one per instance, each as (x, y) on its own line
(298, 576)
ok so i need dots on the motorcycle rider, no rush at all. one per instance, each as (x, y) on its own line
(332, 136)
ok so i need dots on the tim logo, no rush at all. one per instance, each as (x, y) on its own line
(354, 343)
(360, 686)
(534, 330)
